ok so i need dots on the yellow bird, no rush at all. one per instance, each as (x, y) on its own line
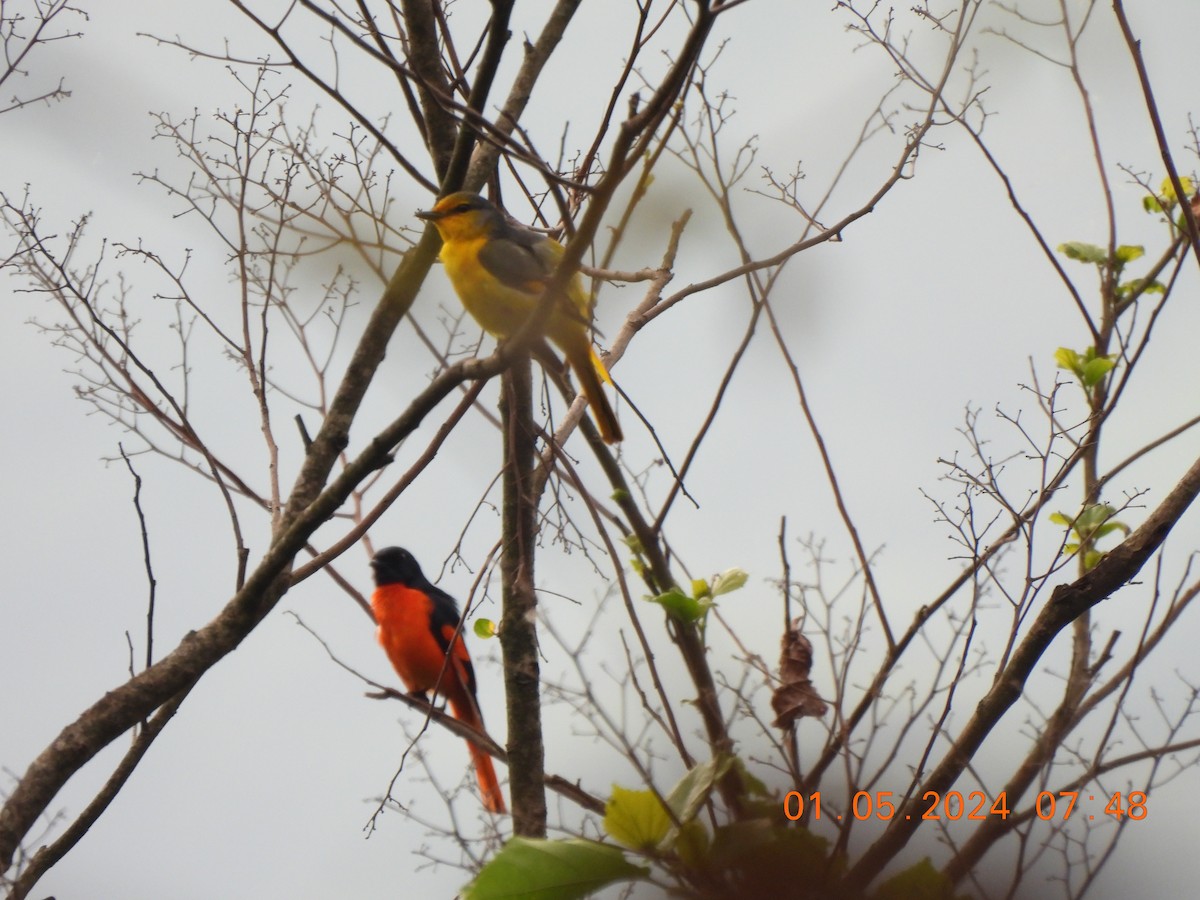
(500, 270)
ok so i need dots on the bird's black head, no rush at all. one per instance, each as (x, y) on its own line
(395, 565)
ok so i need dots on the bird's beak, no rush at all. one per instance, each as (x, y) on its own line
(429, 215)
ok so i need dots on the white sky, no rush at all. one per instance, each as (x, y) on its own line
(262, 785)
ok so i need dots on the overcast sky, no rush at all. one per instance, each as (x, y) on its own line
(263, 785)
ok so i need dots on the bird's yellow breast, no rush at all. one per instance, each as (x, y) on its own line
(501, 310)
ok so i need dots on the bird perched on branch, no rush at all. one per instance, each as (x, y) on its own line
(500, 271)
(418, 628)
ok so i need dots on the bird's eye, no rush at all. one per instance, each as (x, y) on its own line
(462, 208)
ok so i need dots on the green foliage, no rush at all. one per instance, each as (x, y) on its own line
(1086, 529)
(484, 628)
(1127, 253)
(531, 869)
(685, 608)
(693, 608)
(765, 855)
(1166, 200)
(1098, 256)
(1168, 189)
(639, 821)
(729, 581)
(1115, 264)
(1088, 367)
(636, 819)
(1139, 286)
(1087, 253)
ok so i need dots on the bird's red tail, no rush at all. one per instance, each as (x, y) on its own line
(485, 772)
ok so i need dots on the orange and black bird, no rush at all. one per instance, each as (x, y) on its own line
(500, 270)
(418, 625)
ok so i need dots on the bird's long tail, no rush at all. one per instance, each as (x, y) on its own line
(489, 786)
(590, 371)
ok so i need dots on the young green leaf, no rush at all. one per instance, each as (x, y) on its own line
(1066, 358)
(693, 789)
(1127, 253)
(635, 819)
(1094, 370)
(1140, 286)
(1168, 189)
(728, 581)
(1109, 527)
(1087, 253)
(1093, 517)
(485, 628)
(1089, 368)
(530, 869)
(681, 606)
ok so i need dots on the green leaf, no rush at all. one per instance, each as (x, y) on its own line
(1093, 523)
(681, 606)
(1068, 359)
(693, 789)
(636, 819)
(1151, 204)
(1140, 286)
(1127, 253)
(728, 581)
(1168, 189)
(700, 588)
(529, 869)
(1110, 527)
(485, 628)
(1093, 517)
(1089, 368)
(1088, 253)
(1094, 370)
